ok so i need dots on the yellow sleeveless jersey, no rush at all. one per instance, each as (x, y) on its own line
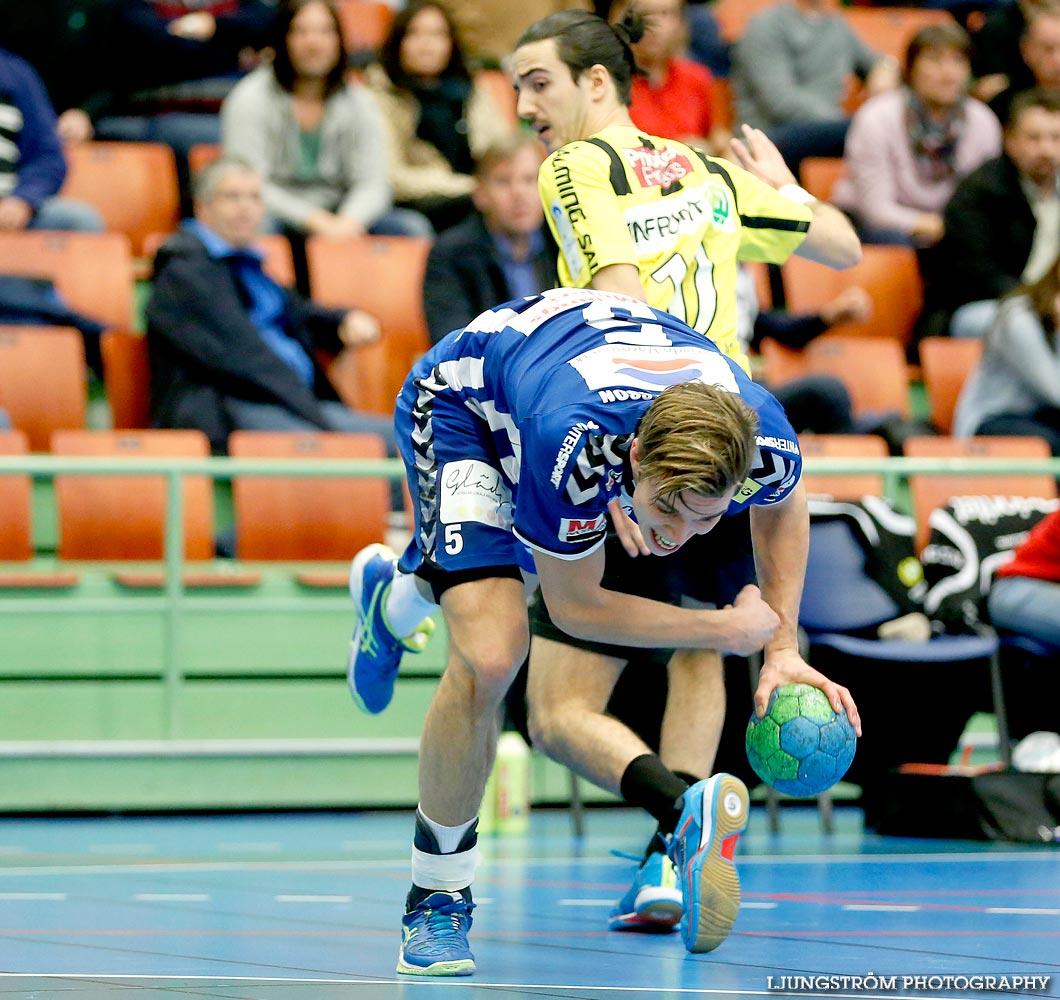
(682, 218)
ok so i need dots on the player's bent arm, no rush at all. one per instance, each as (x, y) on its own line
(622, 278)
(582, 608)
(780, 533)
(831, 238)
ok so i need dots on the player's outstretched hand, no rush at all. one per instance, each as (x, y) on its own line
(786, 666)
(757, 154)
(753, 622)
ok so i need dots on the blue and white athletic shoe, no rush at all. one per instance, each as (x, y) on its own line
(375, 651)
(653, 904)
(702, 849)
(434, 937)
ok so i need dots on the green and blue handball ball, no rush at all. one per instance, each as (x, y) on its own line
(800, 746)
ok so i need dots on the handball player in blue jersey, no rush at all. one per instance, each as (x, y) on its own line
(517, 433)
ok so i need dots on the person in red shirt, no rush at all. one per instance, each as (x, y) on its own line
(675, 97)
(1025, 596)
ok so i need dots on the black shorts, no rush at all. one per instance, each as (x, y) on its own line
(709, 569)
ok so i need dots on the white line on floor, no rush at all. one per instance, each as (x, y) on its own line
(33, 895)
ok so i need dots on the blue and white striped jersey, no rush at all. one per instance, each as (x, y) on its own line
(562, 379)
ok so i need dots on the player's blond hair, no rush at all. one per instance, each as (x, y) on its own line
(696, 438)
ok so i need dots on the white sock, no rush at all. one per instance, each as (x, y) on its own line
(448, 837)
(405, 606)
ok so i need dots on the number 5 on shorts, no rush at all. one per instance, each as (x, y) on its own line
(454, 541)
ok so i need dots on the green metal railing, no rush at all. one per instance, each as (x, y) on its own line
(173, 599)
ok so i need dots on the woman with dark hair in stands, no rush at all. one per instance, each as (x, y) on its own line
(317, 138)
(1015, 388)
(437, 120)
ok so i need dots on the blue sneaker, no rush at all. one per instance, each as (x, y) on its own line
(653, 904)
(702, 849)
(434, 937)
(375, 652)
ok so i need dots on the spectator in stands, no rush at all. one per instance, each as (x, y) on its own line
(791, 71)
(317, 139)
(173, 62)
(1015, 388)
(1040, 49)
(705, 44)
(230, 349)
(1025, 595)
(1002, 225)
(997, 62)
(501, 251)
(818, 403)
(675, 96)
(436, 119)
(488, 29)
(32, 166)
(907, 149)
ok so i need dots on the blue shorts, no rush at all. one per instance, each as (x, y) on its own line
(461, 477)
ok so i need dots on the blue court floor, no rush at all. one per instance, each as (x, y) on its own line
(305, 907)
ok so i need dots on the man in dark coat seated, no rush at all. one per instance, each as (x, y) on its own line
(499, 252)
(231, 349)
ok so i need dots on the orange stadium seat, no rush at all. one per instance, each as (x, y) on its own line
(91, 271)
(43, 380)
(16, 527)
(127, 379)
(290, 518)
(16, 537)
(383, 275)
(119, 517)
(929, 491)
(365, 24)
(841, 486)
(872, 368)
(890, 275)
(133, 184)
(499, 85)
(946, 362)
(202, 154)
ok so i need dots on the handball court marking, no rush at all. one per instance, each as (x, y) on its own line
(312, 925)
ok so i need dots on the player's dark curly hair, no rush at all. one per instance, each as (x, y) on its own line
(584, 40)
(697, 438)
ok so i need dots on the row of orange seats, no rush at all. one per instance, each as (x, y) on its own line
(121, 517)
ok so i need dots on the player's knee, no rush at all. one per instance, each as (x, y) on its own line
(494, 660)
(545, 724)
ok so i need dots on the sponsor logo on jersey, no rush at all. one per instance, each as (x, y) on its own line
(745, 492)
(658, 167)
(566, 212)
(657, 226)
(573, 529)
(623, 395)
(566, 448)
(778, 444)
(651, 369)
(470, 490)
